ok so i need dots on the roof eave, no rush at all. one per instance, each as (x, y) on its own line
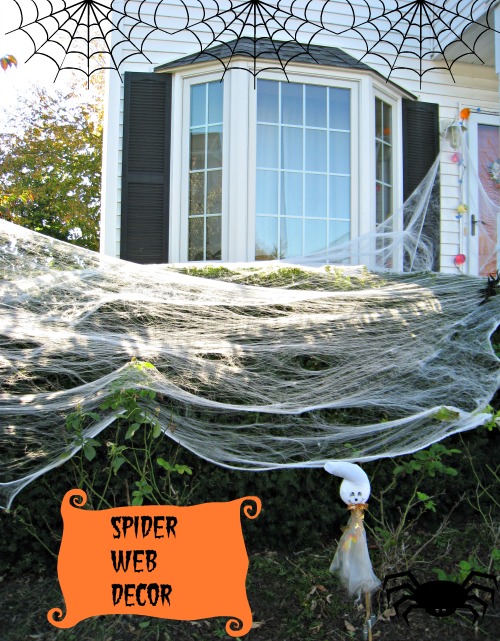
(207, 65)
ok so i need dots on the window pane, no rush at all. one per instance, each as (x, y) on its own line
(291, 194)
(379, 152)
(198, 105)
(266, 238)
(291, 103)
(387, 164)
(196, 238)
(387, 202)
(379, 203)
(340, 197)
(198, 149)
(267, 146)
(316, 106)
(213, 238)
(387, 122)
(267, 101)
(379, 125)
(215, 96)
(316, 150)
(340, 153)
(315, 202)
(267, 192)
(215, 147)
(315, 239)
(340, 232)
(340, 108)
(291, 148)
(290, 237)
(214, 192)
(197, 193)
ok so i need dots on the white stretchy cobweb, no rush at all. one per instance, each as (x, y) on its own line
(339, 364)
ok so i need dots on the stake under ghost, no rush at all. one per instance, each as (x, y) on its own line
(352, 560)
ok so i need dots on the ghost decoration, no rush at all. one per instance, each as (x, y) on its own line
(352, 560)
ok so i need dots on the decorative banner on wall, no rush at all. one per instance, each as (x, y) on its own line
(170, 562)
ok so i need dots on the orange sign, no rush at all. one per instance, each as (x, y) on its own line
(171, 562)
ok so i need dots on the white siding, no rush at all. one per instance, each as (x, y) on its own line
(475, 86)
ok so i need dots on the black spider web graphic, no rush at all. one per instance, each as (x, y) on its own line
(77, 34)
(256, 30)
(89, 35)
(444, 32)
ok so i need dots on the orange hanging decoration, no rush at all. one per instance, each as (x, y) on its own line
(465, 113)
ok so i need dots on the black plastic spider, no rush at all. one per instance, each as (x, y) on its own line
(440, 598)
(491, 288)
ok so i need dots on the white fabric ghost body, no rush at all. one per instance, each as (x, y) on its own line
(352, 560)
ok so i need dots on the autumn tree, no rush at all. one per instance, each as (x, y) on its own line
(50, 165)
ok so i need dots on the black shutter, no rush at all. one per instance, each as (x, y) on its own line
(146, 167)
(420, 149)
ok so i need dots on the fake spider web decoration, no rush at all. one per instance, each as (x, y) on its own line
(88, 35)
(259, 370)
(403, 30)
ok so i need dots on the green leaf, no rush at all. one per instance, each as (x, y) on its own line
(444, 414)
(156, 429)
(422, 496)
(183, 469)
(144, 624)
(451, 471)
(441, 574)
(138, 500)
(117, 463)
(132, 430)
(165, 464)
(89, 452)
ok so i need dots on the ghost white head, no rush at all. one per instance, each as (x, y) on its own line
(355, 488)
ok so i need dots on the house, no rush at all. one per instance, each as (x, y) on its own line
(267, 166)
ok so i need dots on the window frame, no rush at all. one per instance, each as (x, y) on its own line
(382, 94)
(335, 82)
(180, 237)
(239, 151)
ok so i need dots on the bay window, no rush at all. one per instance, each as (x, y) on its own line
(286, 169)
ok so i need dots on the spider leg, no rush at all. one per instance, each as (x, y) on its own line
(483, 574)
(402, 586)
(407, 611)
(397, 575)
(474, 612)
(404, 598)
(479, 600)
(482, 587)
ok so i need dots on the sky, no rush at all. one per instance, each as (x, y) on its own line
(39, 69)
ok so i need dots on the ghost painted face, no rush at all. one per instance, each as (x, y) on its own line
(355, 488)
(354, 493)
